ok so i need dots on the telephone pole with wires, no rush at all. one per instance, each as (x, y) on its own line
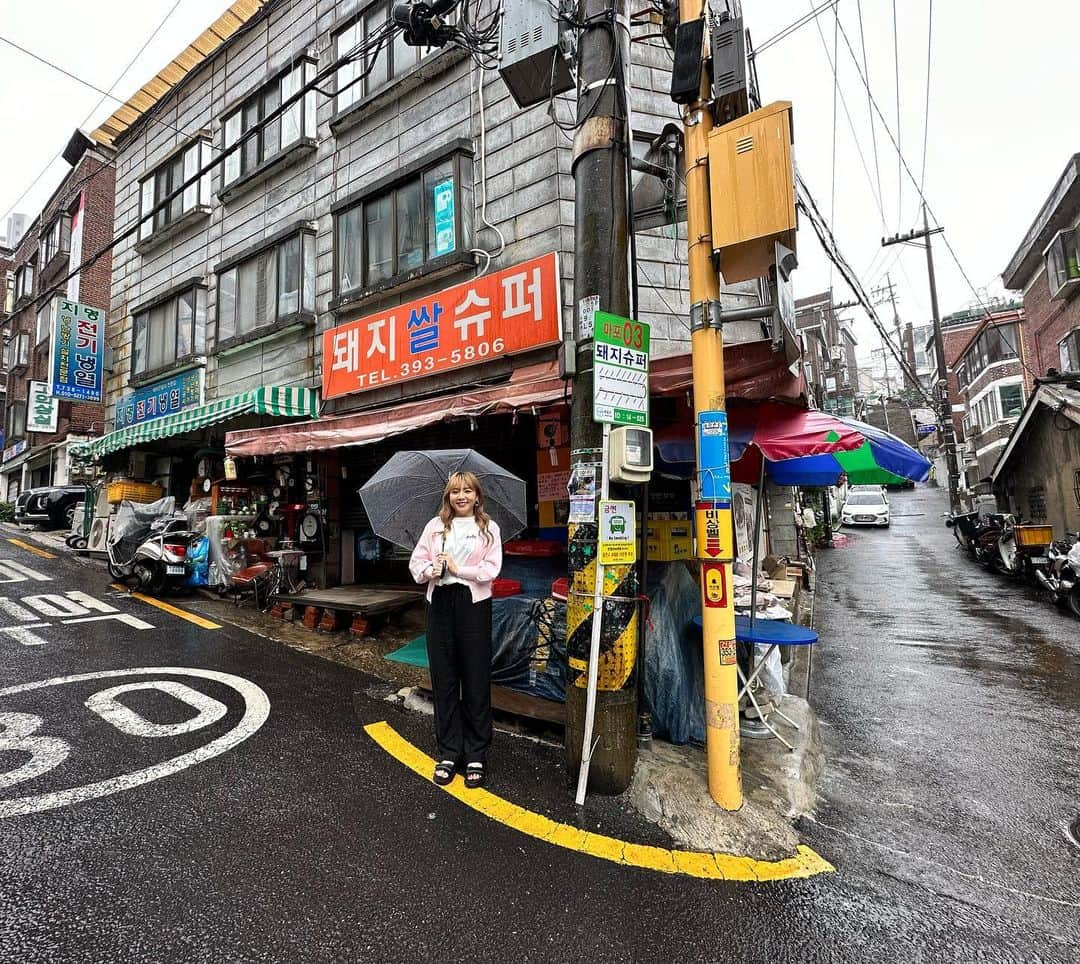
(602, 281)
(948, 434)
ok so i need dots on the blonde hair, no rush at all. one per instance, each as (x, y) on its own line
(446, 510)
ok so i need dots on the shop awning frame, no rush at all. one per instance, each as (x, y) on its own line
(278, 400)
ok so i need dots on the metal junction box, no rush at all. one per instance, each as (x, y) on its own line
(531, 63)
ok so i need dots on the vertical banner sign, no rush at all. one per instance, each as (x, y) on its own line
(42, 411)
(77, 352)
(75, 257)
(443, 202)
(620, 370)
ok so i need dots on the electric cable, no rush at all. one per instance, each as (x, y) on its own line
(926, 109)
(792, 27)
(899, 152)
(869, 110)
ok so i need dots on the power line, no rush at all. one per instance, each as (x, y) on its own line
(926, 109)
(896, 70)
(835, 98)
(869, 110)
(792, 27)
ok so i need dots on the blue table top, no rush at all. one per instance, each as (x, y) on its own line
(768, 631)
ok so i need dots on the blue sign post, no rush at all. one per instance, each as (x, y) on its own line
(77, 353)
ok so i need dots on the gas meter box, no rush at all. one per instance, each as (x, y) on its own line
(630, 454)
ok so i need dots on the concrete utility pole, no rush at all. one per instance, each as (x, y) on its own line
(948, 435)
(601, 281)
(712, 517)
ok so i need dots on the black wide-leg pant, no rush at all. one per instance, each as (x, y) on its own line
(459, 658)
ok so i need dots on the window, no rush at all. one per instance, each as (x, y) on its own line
(276, 134)
(24, 281)
(56, 240)
(1069, 351)
(17, 420)
(8, 351)
(995, 344)
(269, 287)
(402, 228)
(1062, 263)
(169, 331)
(44, 323)
(156, 187)
(391, 59)
(961, 374)
(1012, 400)
(22, 349)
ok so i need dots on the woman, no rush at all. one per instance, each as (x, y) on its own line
(459, 555)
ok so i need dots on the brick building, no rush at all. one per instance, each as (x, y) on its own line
(75, 223)
(7, 299)
(1038, 473)
(830, 366)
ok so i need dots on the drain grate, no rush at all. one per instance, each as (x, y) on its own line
(1072, 832)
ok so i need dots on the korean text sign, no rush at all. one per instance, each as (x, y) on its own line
(620, 370)
(78, 352)
(161, 398)
(504, 313)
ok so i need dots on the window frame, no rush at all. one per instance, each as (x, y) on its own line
(163, 179)
(40, 337)
(196, 338)
(1003, 414)
(22, 350)
(1062, 259)
(22, 289)
(307, 124)
(1069, 352)
(460, 161)
(363, 89)
(17, 406)
(305, 292)
(55, 240)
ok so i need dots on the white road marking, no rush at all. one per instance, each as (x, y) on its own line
(11, 608)
(46, 752)
(22, 634)
(256, 711)
(54, 605)
(126, 618)
(12, 571)
(126, 720)
(95, 605)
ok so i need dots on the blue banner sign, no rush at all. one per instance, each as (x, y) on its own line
(444, 217)
(713, 446)
(78, 352)
(161, 398)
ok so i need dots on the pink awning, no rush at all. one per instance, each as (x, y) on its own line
(532, 385)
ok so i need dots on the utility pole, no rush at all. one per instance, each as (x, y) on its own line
(712, 516)
(601, 281)
(948, 435)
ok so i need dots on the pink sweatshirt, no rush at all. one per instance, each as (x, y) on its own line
(479, 570)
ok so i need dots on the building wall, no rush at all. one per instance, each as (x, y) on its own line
(1040, 486)
(529, 196)
(1049, 321)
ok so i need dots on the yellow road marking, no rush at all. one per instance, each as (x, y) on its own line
(34, 549)
(174, 610)
(709, 866)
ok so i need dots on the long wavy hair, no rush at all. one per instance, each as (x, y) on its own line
(446, 511)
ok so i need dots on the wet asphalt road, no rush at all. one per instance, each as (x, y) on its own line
(950, 706)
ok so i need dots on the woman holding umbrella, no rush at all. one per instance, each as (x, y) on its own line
(458, 555)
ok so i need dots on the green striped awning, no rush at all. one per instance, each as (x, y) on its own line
(267, 400)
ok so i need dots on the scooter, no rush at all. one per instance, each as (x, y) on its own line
(965, 526)
(987, 537)
(1061, 575)
(149, 544)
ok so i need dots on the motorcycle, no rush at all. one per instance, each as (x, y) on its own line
(1061, 575)
(986, 538)
(149, 543)
(965, 526)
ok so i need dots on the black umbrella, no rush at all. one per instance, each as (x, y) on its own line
(403, 496)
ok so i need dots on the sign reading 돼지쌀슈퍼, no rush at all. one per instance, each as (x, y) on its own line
(620, 370)
(511, 311)
(77, 353)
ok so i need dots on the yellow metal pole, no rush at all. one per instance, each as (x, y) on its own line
(715, 544)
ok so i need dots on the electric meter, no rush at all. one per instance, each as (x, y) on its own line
(630, 454)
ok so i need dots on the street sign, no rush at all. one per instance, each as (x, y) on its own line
(41, 413)
(620, 370)
(77, 352)
(926, 429)
(713, 449)
(618, 537)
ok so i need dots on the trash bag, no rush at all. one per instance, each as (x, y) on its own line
(199, 557)
(528, 645)
(674, 671)
(132, 524)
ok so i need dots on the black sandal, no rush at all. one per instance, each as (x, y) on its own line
(444, 772)
(474, 775)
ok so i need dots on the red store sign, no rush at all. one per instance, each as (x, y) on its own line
(505, 313)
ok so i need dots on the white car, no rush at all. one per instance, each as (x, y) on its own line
(866, 508)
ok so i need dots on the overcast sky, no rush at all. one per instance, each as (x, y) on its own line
(1003, 85)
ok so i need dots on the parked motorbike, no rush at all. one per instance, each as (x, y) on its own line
(149, 543)
(965, 526)
(986, 537)
(1061, 574)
